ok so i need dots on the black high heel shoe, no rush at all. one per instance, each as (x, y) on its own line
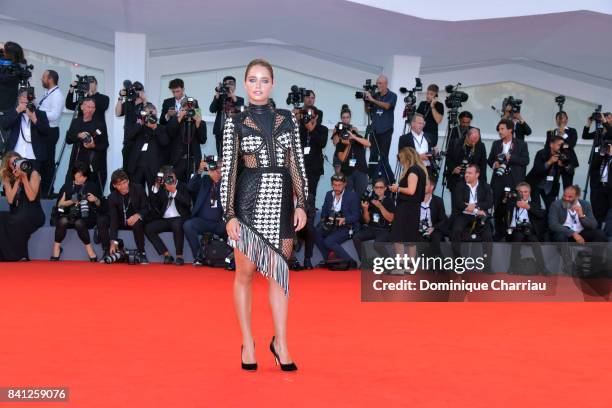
(285, 367)
(57, 258)
(247, 366)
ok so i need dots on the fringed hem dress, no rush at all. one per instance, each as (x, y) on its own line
(263, 168)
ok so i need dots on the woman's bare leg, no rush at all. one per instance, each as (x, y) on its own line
(243, 295)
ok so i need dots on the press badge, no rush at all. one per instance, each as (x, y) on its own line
(550, 178)
(376, 217)
(307, 150)
(145, 147)
(352, 162)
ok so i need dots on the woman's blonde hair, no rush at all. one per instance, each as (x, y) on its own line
(409, 157)
(6, 171)
(261, 63)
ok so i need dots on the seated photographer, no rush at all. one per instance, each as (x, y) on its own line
(421, 142)
(472, 205)
(28, 129)
(546, 171)
(90, 142)
(207, 212)
(225, 104)
(169, 207)
(377, 212)
(432, 112)
(570, 138)
(148, 140)
(77, 207)
(21, 185)
(571, 219)
(465, 124)
(508, 158)
(339, 219)
(433, 220)
(351, 153)
(313, 138)
(187, 132)
(130, 103)
(127, 209)
(463, 152)
(512, 111)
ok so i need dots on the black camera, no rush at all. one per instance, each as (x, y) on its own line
(132, 89)
(169, 179)
(604, 149)
(81, 87)
(455, 97)
(159, 178)
(332, 221)
(463, 167)
(88, 138)
(368, 194)
(524, 227)
(515, 104)
(24, 165)
(509, 195)
(367, 87)
(424, 228)
(118, 256)
(503, 165)
(211, 162)
(79, 209)
(560, 100)
(410, 99)
(190, 106)
(596, 115)
(343, 130)
(30, 96)
(296, 96)
(23, 72)
(308, 114)
(222, 89)
(148, 117)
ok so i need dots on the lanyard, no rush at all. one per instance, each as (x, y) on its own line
(572, 214)
(46, 96)
(416, 140)
(125, 208)
(517, 214)
(473, 195)
(21, 130)
(427, 213)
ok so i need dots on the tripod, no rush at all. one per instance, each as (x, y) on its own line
(450, 127)
(596, 143)
(56, 165)
(369, 135)
(409, 112)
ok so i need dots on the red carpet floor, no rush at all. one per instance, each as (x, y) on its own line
(159, 336)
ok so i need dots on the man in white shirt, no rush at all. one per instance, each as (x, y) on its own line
(52, 103)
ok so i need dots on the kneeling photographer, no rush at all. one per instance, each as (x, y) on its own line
(313, 138)
(169, 204)
(339, 220)
(350, 151)
(148, 140)
(77, 207)
(546, 171)
(207, 212)
(377, 212)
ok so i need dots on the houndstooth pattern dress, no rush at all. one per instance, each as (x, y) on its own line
(263, 168)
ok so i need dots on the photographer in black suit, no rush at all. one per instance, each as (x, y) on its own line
(131, 102)
(508, 158)
(419, 140)
(309, 102)
(570, 138)
(148, 140)
(433, 222)
(224, 104)
(547, 169)
(170, 204)
(465, 124)
(313, 138)
(463, 152)
(512, 112)
(89, 144)
(102, 101)
(170, 108)
(433, 113)
(187, 132)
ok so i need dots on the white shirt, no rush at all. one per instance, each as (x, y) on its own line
(519, 214)
(573, 221)
(425, 211)
(473, 198)
(24, 140)
(337, 205)
(604, 172)
(52, 103)
(420, 145)
(506, 147)
(177, 104)
(171, 211)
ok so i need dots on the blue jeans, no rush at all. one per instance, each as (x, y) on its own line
(194, 227)
(332, 242)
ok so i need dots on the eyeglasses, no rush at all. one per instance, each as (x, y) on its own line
(379, 186)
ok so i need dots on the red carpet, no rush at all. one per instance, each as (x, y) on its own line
(160, 336)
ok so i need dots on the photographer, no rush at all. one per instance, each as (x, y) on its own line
(433, 220)
(571, 219)
(419, 141)
(463, 152)
(224, 104)
(508, 158)
(350, 152)
(309, 102)
(433, 113)
(28, 127)
(77, 205)
(170, 205)
(148, 140)
(603, 121)
(547, 168)
(52, 103)
(131, 102)
(465, 124)
(339, 219)
(187, 132)
(127, 209)
(381, 106)
(377, 212)
(90, 143)
(512, 111)
(599, 181)
(570, 138)
(313, 138)
(207, 212)
(102, 101)
(9, 81)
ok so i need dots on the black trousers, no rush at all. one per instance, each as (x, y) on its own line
(535, 246)
(368, 233)
(138, 229)
(174, 225)
(81, 226)
(379, 152)
(48, 166)
(547, 198)
(185, 168)
(601, 200)
(143, 176)
(461, 226)
(313, 182)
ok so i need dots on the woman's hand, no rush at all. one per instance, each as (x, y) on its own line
(233, 229)
(299, 218)
(393, 188)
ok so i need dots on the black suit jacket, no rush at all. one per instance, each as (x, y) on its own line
(571, 140)
(455, 155)
(157, 140)
(521, 130)
(439, 220)
(177, 134)
(158, 202)
(317, 140)
(40, 132)
(102, 102)
(484, 198)
(537, 176)
(137, 205)
(408, 140)
(519, 159)
(97, 155)
(216, 107)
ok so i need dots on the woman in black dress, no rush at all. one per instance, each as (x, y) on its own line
(21, 185)
(263, 168)
(410, 194)
(78, 204)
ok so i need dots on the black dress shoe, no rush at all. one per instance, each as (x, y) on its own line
(179, 261)
(168, 259)
(93, 259)
(285, 367)
(307, 263)
(143, 259)
(247, 366)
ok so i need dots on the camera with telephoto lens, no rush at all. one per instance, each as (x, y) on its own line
(368, 194)
(308, 114)
(79, 209)
(169, 179)
(332, 221)
(596, 115)
(367, 87)
(564, 157)
(81, 88)
(560, 101)
(343, 130)
(148, 117)
(296, 96)
(410, 99)
(455, 97)
(30, 96)
(211, 162)
(132, 90)
(24, 165)
(424, 228)
(88, 138)
(222, 89)
(118, 256)
(524, 227)
(190, 106)
(23, 72)
(463, 167)
(435, 157)
(509, 195)
(515, 104)
(503, 165)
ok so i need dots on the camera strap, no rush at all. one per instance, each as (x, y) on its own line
(47, 95)
(125, 208)
(21, 133)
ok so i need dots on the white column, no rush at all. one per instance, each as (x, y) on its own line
(130, 63)
(401, 70)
